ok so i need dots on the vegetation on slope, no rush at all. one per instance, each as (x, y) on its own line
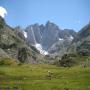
(44, 77)
(81, 58)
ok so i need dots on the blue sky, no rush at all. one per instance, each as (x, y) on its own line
(73, 14)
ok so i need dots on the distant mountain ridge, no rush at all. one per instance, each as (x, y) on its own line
(82, 40)
(41, 43)
(47, 35)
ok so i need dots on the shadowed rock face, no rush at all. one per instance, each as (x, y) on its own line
(48, 35)
(82, 40)
(34, 34)
(3, 54)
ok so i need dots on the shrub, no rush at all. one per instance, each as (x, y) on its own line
(83, 52)
(67, 60)
(7, 61)
(22, 54)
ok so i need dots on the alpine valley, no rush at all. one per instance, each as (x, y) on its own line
(44, 57)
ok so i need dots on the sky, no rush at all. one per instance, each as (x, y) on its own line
(70, 14)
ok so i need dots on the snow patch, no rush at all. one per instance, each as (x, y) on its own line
(25, 34)
(71, 37)
(60, 39)
(39, 48)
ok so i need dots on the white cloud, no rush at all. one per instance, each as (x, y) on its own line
(3, 11)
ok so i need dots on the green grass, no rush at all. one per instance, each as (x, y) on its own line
(35, 77)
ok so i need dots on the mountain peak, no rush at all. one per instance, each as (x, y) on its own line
(49, 23)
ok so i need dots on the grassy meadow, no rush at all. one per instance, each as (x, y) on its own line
(44, 77)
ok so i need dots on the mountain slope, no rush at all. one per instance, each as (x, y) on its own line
(82, 40)
(13, 44)
(48, 36)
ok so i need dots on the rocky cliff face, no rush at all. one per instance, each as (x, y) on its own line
(49, 36)
(13, 44)
(82, 40)
(25, 45)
